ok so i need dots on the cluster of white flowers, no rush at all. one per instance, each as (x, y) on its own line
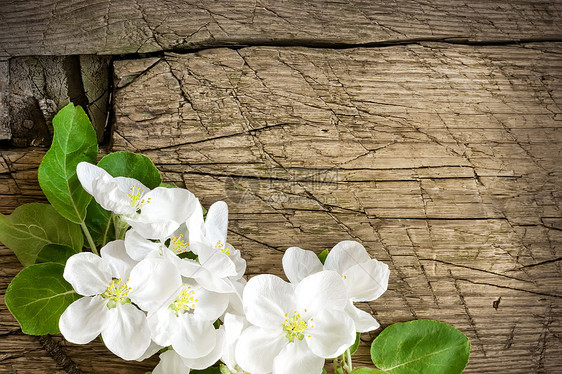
(174, 284)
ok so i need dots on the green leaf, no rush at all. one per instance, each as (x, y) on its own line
(100, 224)
(322, 256)
(74, 141)
(55, 253)
(355, 345)
(167, 185)
(131, 165)
(324, 371)
(422, 346)
(33, 226)
(365, 371)
(38, 296)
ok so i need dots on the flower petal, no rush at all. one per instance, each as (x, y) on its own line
(257, 348)
(152, 349)
(216, 223)
(171, 363)
(324, 290)
(366, 281)
(138, 247)
(344, 255)
(218, 263)
(266, 300)
(151, 229)
(126, 185)
(209, 359)
(167, 209)
(126, 333)
(364, 322)
(210, 305)
(194, 338)
(153, 281)
(196, 226)
(332, 334)
(239, 262)
(299, 264)
(116, 256)
(84, 319)
(108, 194)
(297, 358)
(233, 327)
(88, 273)
(87, 173)
(162, 326)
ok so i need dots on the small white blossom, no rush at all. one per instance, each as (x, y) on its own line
(294, 328)
(365, 279)
(110, 284)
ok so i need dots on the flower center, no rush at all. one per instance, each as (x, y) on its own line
(116, 292)
(178, 245)
(295, 327)
(136, 194)
(185, 302)
(220, 246)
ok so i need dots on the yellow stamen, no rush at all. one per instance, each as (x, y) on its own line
(117, 291)
(295, 327)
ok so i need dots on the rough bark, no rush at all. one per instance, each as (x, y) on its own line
(33, 89)
(116, 27)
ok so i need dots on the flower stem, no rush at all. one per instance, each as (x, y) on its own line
(89, 238)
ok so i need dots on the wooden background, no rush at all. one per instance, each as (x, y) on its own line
(427, 130)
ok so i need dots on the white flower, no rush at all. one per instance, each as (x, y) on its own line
(154, 214)
(110, 285)
(120, 195)
(186, 321)
(207, 239)
(365, 279)
(294, 328)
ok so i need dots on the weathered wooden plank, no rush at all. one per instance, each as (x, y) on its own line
(102, 26)
(443, 160)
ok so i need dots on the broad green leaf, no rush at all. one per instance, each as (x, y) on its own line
(38, 296)
(131, 165)
(167, 185)
(365, 371)
(54, 253)
(100, 224)
(74, 141)
(421, 346)
(355, 345)
(322, 255)
(324, 371)
(33, 226)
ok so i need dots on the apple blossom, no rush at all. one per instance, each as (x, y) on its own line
(294, 328)
(110, 284)
(365, 279)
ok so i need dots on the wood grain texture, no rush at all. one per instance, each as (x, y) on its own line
(53, 27)
(443, 160)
